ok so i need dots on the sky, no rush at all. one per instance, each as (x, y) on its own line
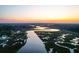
(39, 13)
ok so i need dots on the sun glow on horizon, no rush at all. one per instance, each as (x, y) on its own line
(39, 13)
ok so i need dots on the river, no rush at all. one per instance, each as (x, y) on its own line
(33, 44)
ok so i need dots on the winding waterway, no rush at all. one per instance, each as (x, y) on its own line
(33, 45)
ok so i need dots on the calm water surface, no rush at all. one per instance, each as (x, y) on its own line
(33, 44)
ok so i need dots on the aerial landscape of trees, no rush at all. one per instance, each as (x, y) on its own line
(13, 36)
(60, 42)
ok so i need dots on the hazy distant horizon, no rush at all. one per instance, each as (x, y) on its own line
(35, 22)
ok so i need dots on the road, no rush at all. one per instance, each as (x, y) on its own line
(33, 44)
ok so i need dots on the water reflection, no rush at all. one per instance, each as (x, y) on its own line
(33, 45)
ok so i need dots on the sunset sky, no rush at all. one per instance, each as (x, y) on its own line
(37, 13)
